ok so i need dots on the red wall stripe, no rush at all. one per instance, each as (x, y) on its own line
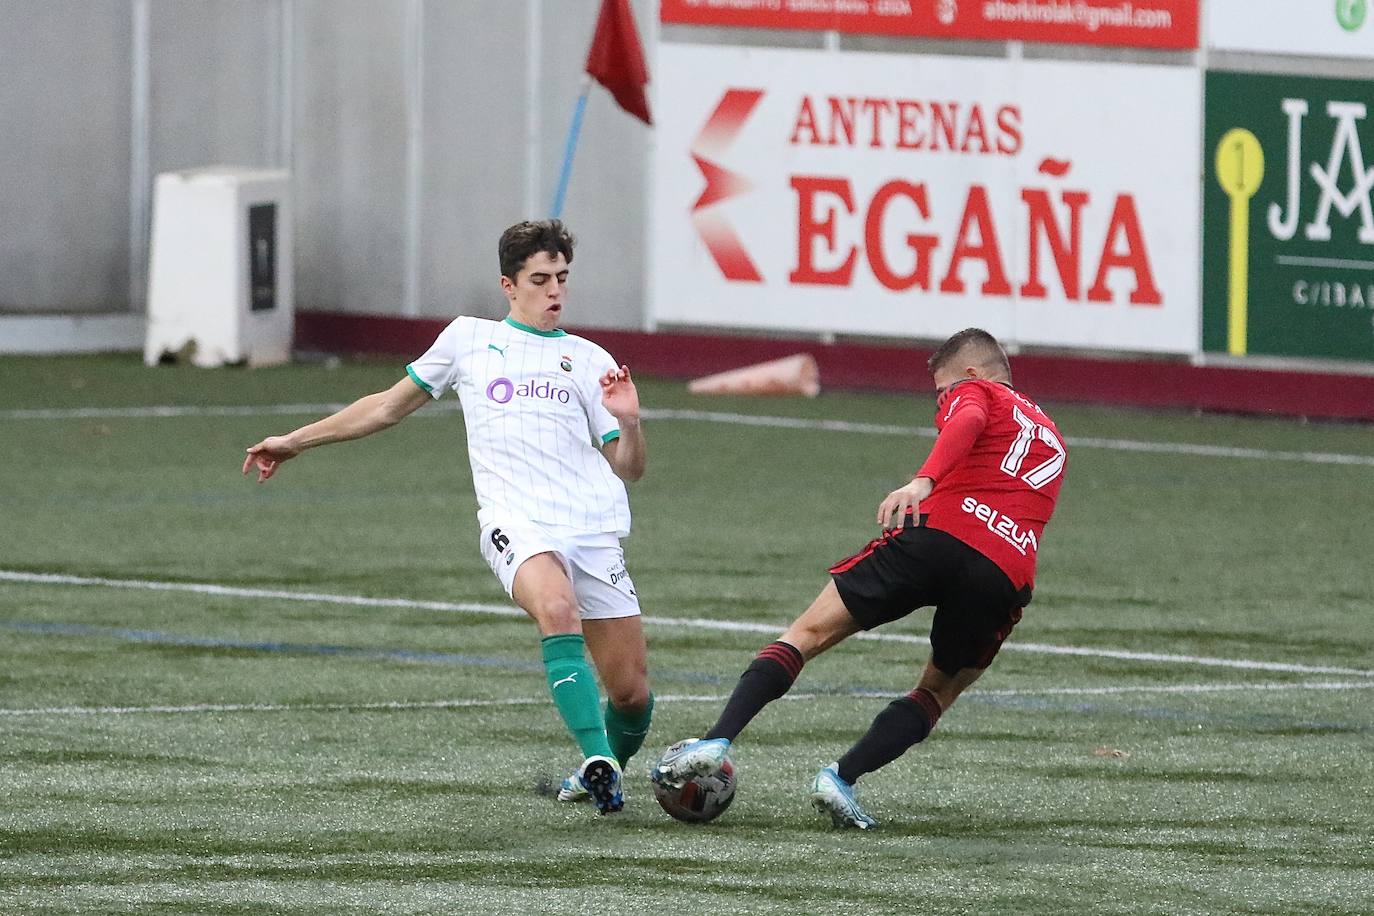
(1064, 378)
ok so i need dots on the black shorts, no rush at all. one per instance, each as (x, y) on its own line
(975, 603)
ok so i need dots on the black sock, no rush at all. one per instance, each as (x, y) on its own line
(768, 677)
(906, 721)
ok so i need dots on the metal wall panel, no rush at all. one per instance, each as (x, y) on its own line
(606, 205)
(415, 130)
(213, 83)
(349, 155)
(473, 157)
(64, 155)
(491, 140)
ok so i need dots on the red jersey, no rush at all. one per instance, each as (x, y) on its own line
(998, 464)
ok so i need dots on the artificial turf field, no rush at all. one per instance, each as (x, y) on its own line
(263, 736)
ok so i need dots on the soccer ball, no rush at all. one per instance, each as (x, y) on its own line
(700, 798)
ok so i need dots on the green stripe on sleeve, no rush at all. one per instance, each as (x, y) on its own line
(613, 434)
(410, 371)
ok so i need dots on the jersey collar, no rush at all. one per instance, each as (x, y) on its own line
(556, 332)
(944, 395)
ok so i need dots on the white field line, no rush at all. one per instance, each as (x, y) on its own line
(154, 413)
(704, 416)
(266, 707)
(1119, 445)
(502, 610)
(1175, 689)
(666, 698)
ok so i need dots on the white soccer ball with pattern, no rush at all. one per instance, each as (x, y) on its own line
(700, 798)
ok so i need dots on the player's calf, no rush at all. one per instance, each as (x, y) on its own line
(905, 722)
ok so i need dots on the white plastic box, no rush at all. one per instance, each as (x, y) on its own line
(220, 280)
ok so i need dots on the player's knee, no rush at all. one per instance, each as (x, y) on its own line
(825, 624)
(631, 699)
(811, 638)
(557, 614)
(627, 685)
(947, 686)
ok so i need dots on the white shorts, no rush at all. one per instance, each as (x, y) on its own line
(594, 562)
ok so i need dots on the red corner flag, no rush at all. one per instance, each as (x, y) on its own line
(616, 58)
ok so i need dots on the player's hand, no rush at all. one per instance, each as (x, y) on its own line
(902, 500)
(619, 394)
(268, 455)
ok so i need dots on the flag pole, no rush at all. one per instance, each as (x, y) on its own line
(570, 148)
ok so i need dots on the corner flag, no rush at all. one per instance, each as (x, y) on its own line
(616, 58)
(616, 61)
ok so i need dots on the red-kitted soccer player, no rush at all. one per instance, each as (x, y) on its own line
(968, 528)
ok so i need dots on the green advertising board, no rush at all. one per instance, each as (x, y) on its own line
(1287, 217)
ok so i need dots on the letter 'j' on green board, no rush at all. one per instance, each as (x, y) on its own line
(1240, 168)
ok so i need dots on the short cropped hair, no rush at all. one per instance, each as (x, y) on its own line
(976, 346)
(530, 237)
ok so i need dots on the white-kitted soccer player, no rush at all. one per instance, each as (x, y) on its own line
(553, 429)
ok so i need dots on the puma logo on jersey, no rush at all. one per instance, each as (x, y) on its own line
(501, 350)
(570, 679)
(952, 404)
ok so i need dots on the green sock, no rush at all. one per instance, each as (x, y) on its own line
(626, 731)
(574, 692)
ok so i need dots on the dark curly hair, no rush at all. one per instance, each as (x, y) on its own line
(529, 237)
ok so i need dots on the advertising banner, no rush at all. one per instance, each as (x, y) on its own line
(1331, 28)
(901, 196)
(1169, 24)
(1288, 226)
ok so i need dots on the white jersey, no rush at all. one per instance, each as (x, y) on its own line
(532, 403)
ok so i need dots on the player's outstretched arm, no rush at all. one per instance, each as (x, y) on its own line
(627, 454)
(363, 417)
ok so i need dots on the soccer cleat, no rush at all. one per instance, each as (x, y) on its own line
(695, 757)
(600, 777)
(833, 796)
(571, 790)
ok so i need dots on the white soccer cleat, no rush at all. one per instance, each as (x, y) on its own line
(600, 777)
(833, 796)
(571, 790)
(693, 757)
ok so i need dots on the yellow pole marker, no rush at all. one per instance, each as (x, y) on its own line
(1240, 168)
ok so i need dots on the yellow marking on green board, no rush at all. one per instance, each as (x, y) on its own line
(1240, 168)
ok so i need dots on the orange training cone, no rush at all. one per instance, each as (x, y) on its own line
(797, 374)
